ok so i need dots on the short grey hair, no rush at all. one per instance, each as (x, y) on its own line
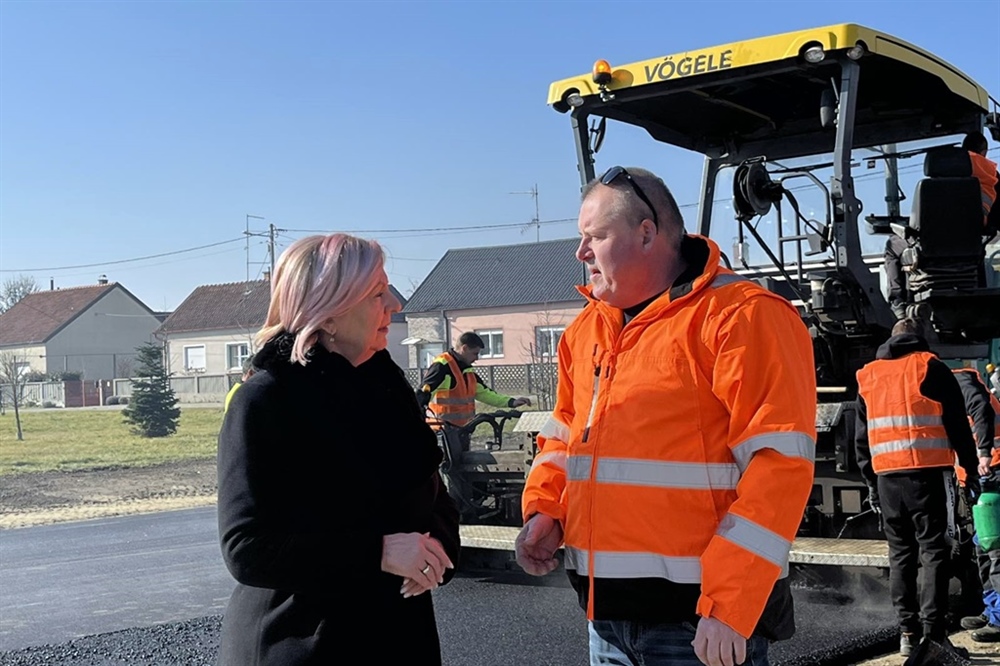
(628, 205)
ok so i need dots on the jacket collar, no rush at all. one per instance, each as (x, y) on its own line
(702, 256)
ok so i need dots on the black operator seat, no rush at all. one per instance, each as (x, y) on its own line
(946, 223)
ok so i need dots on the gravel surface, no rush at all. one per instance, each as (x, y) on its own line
(43, 498)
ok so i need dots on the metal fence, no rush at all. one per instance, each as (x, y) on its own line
(536, 380)
(35, 394)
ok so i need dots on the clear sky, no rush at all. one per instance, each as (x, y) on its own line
(130, 129)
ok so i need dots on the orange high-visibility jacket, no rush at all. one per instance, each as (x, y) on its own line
(456, 404)
(995, 404)
(986, 171)
(682, 443)
(905, 428)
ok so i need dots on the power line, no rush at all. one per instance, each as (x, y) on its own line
(475, 227)
(119, 261)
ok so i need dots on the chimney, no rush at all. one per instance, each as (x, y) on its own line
(102, 279)
(267, 276)
(52, 284)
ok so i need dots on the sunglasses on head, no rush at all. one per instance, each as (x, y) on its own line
(618, 171)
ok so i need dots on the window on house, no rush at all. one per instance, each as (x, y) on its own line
(236, 354)
(494, 344)
(547, 340)
(427, 352)
(194, 357)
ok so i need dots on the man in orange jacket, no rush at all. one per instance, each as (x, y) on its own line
(910, 423)
(679, 457)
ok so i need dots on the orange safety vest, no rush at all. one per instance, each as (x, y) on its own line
(986, 171)
(995, 457)
(905, 428)
(456, 405)
(682, 443)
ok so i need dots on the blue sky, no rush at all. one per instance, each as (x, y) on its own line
(130, 129)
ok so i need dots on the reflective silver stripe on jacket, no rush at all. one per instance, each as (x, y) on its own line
(791, 444)
(723, 279)
(635, 565)
(757, 539)
(629, 471)
(557, 458)
(898, 445)
(555, 429)
(609, 564)
(906, 421)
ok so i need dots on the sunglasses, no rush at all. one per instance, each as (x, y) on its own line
(617, 171)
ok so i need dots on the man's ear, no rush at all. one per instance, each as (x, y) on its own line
(649, 231)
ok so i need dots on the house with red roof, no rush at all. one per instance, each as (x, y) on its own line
(93, 330)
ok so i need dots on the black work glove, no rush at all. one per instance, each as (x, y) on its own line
(873, 499)
(875, 504)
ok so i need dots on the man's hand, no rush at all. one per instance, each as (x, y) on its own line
(537, 543)
(973, 488)
(984, 465)
(716, 644)
(520, 401)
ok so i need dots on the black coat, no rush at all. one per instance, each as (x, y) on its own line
(316, 464)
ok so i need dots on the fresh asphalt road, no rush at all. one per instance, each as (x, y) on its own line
(64, 582)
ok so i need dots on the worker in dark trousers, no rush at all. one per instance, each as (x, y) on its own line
(982, 408)
(911, 422)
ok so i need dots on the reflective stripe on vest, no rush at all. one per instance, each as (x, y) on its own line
(456, 405)
(905, 428)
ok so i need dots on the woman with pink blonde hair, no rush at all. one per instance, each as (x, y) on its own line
(333, 517)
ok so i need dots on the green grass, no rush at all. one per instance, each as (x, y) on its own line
(74, 439)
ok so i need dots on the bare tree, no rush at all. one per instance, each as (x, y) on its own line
(13, 377)
(14, 289)
(125, 367)
(542, 370)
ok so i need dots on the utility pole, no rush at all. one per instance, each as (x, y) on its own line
(270, 246)
(248, 235)
(536, 220)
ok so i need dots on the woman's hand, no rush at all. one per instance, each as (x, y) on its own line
(419, 559)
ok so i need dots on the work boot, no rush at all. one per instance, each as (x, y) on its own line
(973, 622)
(908, 642)
(950, 647)
(988, 634)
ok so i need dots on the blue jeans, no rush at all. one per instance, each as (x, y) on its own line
(623, 643)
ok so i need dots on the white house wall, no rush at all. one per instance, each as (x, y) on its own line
(105, 333)
(33, 356)
(400, 354)
(215, 343)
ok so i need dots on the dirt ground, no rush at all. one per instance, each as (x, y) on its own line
(52, 497)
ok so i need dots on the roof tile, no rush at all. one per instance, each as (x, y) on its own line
(38, 316)
(501, 276)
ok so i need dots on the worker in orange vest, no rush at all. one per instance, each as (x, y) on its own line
(679, 459)
(451, 386)
(911, 422)
(983, 409)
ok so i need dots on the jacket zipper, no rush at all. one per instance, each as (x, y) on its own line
(593, 403)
